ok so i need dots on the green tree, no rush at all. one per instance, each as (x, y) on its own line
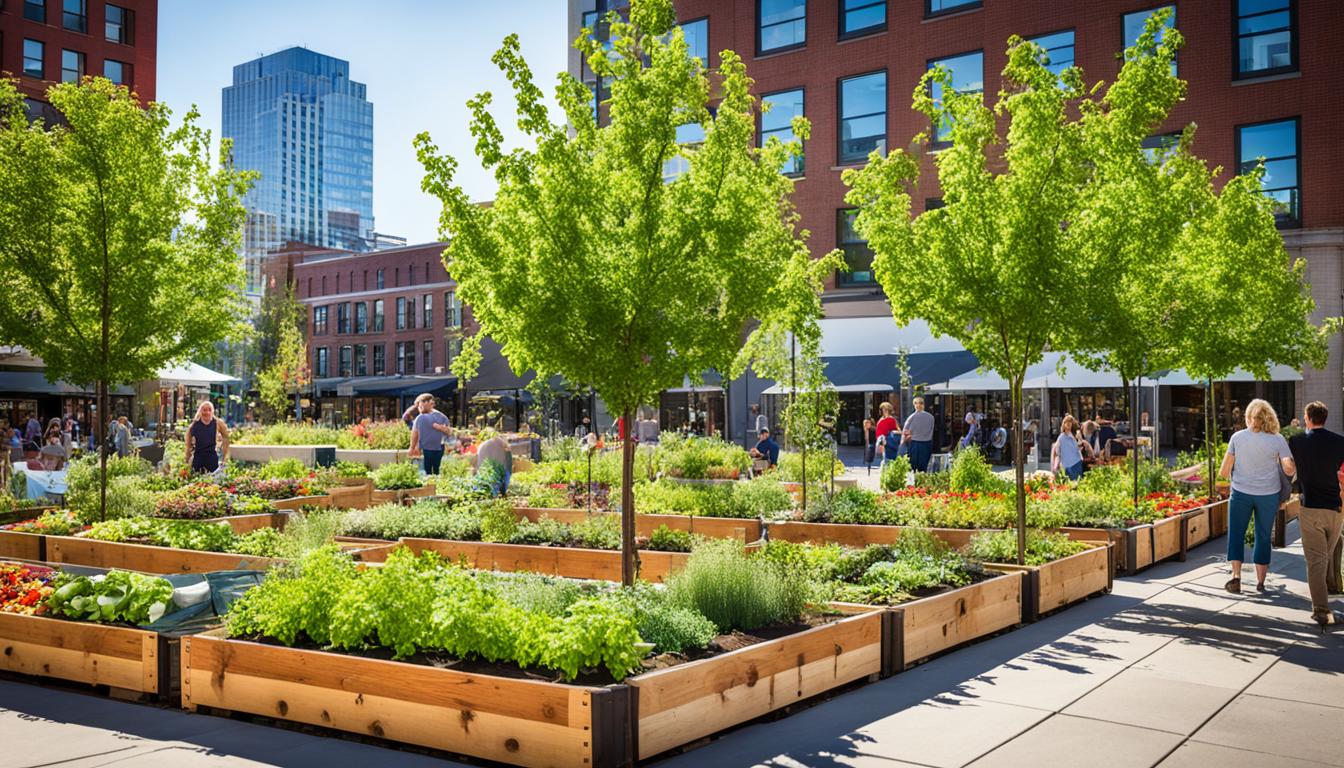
(1000, 266)
(289, 370)
(119, 236)
(591, 263)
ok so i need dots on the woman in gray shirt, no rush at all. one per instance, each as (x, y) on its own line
(1256, 459)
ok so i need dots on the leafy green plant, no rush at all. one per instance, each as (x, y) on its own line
(1042, 547)
(393, 476)
(118, 595)
(970, 473)
(672, 628)
(735, 591)
(700, 458)
(665, 539)
(895, 473)
(350, 469)
(284, 469)
(425, 519)
(288, 434)
(598, 532)
(819, 467)
(498, 521)
(263, 542)
(181, 534)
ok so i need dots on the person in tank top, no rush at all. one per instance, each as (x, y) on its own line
(207, 440)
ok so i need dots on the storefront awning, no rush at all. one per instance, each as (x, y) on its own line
(1046, 375)
(779, 389)
(1276, 373)
(395, 386)
(709, 382)
(193, 375)
(35, 382)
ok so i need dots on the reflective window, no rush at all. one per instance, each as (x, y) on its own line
(863, 116)
(343, 317)
(778, 123)
(862, 17)
(320, 362)
(319, 321)
(361, 360)
(74, 15)
(410, 313)
(72, 66)
(401, 313)
(378, 316)
(452, 311)
(32, 59)
(380, 279)
(1265, 32)
(968, 76)
(427, 310)
(117, 24)
(116, 72)
(1276, 143)
(344, 366)
(938, 7)
(1159, 147)
(1058, 48)
(1134, 23)
(858, 256)
(697, 39)
(35, 10)
(379, 359)
(361, 317)
(427, 356)
(780, 24)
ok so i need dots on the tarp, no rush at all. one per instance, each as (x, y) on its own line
(872, 336)
(36, 382)
(853, 372)
(191, 374)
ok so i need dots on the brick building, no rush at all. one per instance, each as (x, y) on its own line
(1264, 78)
(50, 41)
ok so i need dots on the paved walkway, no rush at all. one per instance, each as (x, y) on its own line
(1168, 670)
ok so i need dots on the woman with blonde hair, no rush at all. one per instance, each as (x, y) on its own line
(207, 440)
(1256, 461)
(1066, 455)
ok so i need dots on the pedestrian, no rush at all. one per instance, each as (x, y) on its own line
(1257, 459)
(121, 437)
(495, 451)
(972, 435)
(1066, 455)
(1319, 456)
(32, 434)
(918, 437)
(869, 444)
(207, 440)
(409, 414)
(429, 431)
(584, 428)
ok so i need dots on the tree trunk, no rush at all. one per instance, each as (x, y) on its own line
(1210, 424)
(629, 563)
(103, 416)
(1134, 429)
(298, 405)
(1019, 467)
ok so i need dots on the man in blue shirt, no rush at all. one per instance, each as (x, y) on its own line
(766, 449)
(428, 432)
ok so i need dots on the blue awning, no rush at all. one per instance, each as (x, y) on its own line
(396, 386)
(35, 382)
(925, 368)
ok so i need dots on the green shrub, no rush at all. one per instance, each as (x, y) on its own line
(598, 532)
(936, 482)
(394, 476)
(424, 520)
(665, 539)
(763, 497)
(700, 457)
(970, 473)
(1042, 547)
(182, 534)
(737, 592)
(819, 467)
(895, 473)
(263, 542)
(126, 497)
(499, 523)
(287, 434)
(1078, 508)
(670, 627)
(545, 531)
(350, 469)
(546, 497)
(284, 469)
(381, 436)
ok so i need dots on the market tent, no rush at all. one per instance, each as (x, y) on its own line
(870, 336)
(193, 375)
(1182, 379)
(36, 382)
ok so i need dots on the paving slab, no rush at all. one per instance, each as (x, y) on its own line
(1148, 699)
(1212, 657)
(1048, 679)
(945, 735)
(1064, 740)
(1193, 754)
(1278, 727)
(1310, 675)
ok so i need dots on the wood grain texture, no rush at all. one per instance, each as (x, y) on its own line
(571, 562)
(24, 546)
(935, 624)
(82, 652)
(1197, 527)
(1167, 538)
(860, 536)
(76, 550)
(1065, 581)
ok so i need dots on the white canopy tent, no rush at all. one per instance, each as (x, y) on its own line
(861, 336)
(1182, 379)
(192, 375)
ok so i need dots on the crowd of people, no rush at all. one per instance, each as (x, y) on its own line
(888, 439)
(1080, 446)
(28, 443)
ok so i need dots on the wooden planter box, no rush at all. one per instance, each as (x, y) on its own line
(77, 550)
(1288, 511)
(371, 458)
(24, 546)
(1140, 546)
(859, 536)
(299, 502)
(1218, 518)
(127, 660)
(242, 524)
(742, 529)
(931, 625)
(1063, 582)
(351, 496)
(1198, 527)
(570, 562)
(400, 495)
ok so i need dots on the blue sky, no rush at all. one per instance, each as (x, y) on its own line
(421, 60)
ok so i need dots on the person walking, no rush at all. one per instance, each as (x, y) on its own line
(918, 437)
(869, 444)
(428, 432)
(1066, 455)
(1319, 456)
(207, 440)
(121, 437)
(1256, 461)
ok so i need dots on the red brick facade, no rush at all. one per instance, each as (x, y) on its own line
(138, 53)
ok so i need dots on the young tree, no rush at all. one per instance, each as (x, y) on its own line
(117, 238)
(1000, 266)
(289, 370)
(592, 263)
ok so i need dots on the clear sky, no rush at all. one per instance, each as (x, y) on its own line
(421, 60)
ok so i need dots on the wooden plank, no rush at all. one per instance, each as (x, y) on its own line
(1065, 581)
(24, 546)
(75, 550)
(935, 624)
(1218, 518)
(742, 529)
(82, 652)
(681, 704)
(859, 536)
(523, 722)
(1197, 527)
(351, 496)
(299, 502)
(1166, 538)
(242, 524)
(570, 562)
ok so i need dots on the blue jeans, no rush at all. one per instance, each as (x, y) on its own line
(1074, 472)
(920, 451)
(432, 460)
(1239, 509)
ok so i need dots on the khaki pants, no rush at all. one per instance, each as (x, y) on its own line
(1320, 537)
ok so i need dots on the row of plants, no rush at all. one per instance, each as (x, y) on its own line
(188, 534)
(117, 596)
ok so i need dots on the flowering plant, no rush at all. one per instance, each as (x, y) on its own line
(195, 501)
(24, 588)
(57, 522)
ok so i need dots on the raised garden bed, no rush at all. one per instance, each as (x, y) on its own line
(1218, 518)
(743, 529)
(571, 562)
(352, 495)
(24, 546)
(77, 550)
(131, 662)
(299, 502)
(400, 495)
(1139, 546)
(859, 536)
(1288, 511)
(931, 625)
(1198, 527)
(1063, 582)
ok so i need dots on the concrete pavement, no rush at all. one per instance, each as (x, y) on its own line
(1168, 670)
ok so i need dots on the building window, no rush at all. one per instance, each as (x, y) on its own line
(1266, 37)
(406, 357)
(117, 72)
(690, 135)
(1058, 50)
(780, 25)
(858, 256)
(1134, 23)
(74, 15)
(35, 10)
(940, 7)
(379, 359)
(863, 116)
(1277, 143)
(427, 310)
(379, 278)
(320, 362)
(343, 363)
(697, 39)
(319, 321)
(361, 360)
(778, 122)
(427, 356)
(324, 285)
(401, 313)
(1161, 146)
(410, 313)
(410, 280)
(378, 316)
(32, 59)
(933, 203)
(452, 311)
(967, 72)
(862, 17)
(117, 25)
(361, 317)
(343, 317)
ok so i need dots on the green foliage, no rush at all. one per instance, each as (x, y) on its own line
(1082, 509)
(391, 435)
(598, 532)
(181, 534)
(284, 469)
(735, 591)
(1042, 547)
(546, 497)
(289, 372)
(498, 521)
(819, 467)
(263, 542)
(126, 497)
(665, 539)
(895, 473)
(699, 458)
(122, 596)
(425, 519)
(1199, 457)
(350, 469)
(970, 473)
(877, 574)
(287, 434)
(845, 505)
(761, 497)
(398, 475)
(671, 628)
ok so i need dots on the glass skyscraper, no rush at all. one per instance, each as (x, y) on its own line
(297, 118)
